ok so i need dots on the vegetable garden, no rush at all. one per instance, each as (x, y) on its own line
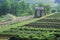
(44, 29)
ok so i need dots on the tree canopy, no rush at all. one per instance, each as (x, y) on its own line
(16, 8)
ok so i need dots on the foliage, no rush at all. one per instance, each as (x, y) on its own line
(20, 8)
(46, 8)
(16, 8)
(58, 8)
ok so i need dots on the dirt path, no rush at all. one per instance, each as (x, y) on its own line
(15, 20)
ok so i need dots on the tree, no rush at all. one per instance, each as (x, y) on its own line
(16, 8)
(13, 7)
(4, 7)
(41, 5)
(46, 8)
(58, 8)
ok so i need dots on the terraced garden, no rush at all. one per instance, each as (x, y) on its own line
(37, 30)
(46, 23)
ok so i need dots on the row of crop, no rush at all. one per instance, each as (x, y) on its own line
(33, 28)
(33, 36)
(30, 29)
(43, 25)
(49, 20)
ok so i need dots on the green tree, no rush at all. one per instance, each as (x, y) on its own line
(46, 8)
(58, 8)
(4, 7)
(13, 7)
(16, 8)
